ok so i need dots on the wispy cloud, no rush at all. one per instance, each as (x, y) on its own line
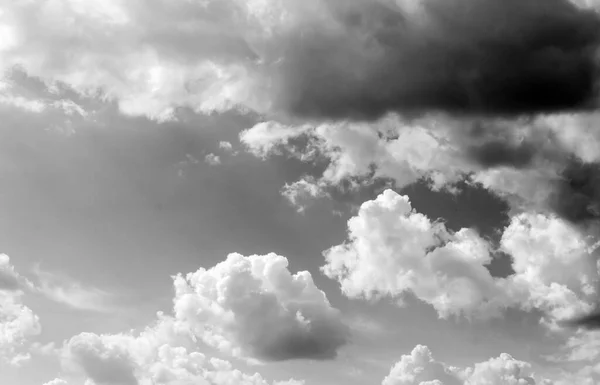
(63, 289)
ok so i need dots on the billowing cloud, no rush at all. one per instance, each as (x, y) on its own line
(18, 323)
(254, 307)
(390, 148)
(318, 58)
(392, 250)
(56, 381)
(552, 263)
(249, 307)
(212, 159)
(421, 368)
(158, 355)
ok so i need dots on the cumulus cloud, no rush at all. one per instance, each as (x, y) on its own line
(421, 368)
(56, 381)
(391, 148)
(302, 192)
(212, 159)
(548, 164)
(392, 250)
(149, 359)
(247, 307)
(18, 323)
(226, 146)
(552, 263)
(254, 307)
(331, 59)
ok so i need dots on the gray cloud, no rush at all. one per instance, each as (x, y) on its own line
(490, 58)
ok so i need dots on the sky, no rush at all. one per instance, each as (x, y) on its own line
(316, 192)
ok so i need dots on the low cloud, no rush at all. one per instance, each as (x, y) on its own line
(334, 59)
(153, 357)
(254, 307)
(249, 307)
(392, 251)
(421, 368)
(18, 323)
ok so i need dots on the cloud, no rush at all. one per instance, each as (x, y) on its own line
(579, 354)
(326, 59)
(302, 192)
(254, 307)
(548, 164)
(249, 307)
(161, 354)
(553, 265)
(10, 280)
(56, 381)
(225, 146)
(375, 57)
(18, 323)
(212, 159)
(390, 148)
(392, 251)
(421, 368)
(65, 290)
(106, 360)
(150, 358)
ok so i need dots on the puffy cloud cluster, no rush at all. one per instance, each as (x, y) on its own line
(390, 148)
(552, 263)
(18, 323)
(254, 307)
(421, 368)
(548, 164)
(156, 356)
(392, 250)
(246, 307)
(316, 58)
(56, 381)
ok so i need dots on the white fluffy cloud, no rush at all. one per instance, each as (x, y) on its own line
(254, 307)
(56, 381)
(155, 55)
(521, 161)
(392, 250)
(421, 368)
(249, 307)
(554, 271)
(157, 356)
(18, 323)
(151, 56)
(404, 152)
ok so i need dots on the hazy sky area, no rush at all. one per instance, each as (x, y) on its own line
(286, 192)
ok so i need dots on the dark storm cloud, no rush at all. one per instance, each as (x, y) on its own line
(577, 196)
(589, 321)
(499, 153)
(464, 57)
